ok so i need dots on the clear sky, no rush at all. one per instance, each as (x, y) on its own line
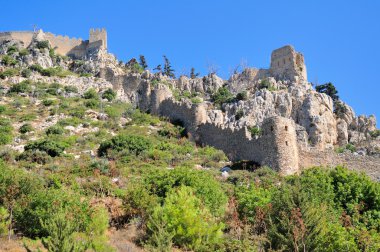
(339, 39)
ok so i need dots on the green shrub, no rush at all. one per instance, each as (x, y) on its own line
(55, 130)
(25, 128)
(4, 221)
(36, 68)
(48, 102)
(8, 73)
(255, 131)
(375, 133)
(52, 148)
(109, 94)
(43, 44)
(35, 156)
(91, 94)
(2, 109)
(242, 96)
(23, 52)
(131, 143)
(223, 95)
(26, 73)
(239, 114)
(92, 103)
(205, 186)
(101, 165)
(8, 60)
(22, 87)
(5, 131)
(71, 89)
(11, 50)
(186, 221)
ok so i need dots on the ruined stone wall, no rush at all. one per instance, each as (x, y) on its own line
(328, 158)
(66, 46)
(24, 36)
(63, 45)
(187, 114)
(286, 63)
(276, 147)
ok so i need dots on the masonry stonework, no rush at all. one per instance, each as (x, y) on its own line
(63, 45)
(286, 63)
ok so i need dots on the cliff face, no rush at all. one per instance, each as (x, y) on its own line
(301, 120)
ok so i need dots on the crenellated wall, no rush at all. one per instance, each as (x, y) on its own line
(63, 45)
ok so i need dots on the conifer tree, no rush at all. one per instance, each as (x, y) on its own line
(193, 75)
(158, 68)
(143, 63)
(168, 70)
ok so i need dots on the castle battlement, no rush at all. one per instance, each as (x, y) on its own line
(63, 44)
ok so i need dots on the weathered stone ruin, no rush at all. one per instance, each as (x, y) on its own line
(298, 127)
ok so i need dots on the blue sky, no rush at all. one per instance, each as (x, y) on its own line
(339, 39)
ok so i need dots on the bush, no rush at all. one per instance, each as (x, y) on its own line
(48, 102)
(255, 131)
(185, 221)
(92, 103)
(131, 143)
(26, 73)
(36, 68)
(23, 52)
(8, 60)
(25, 128)
(43, 44)
(2, 109)
(22, 87)
(375, 133)
(35, 156)
(223, 95)
(91, 94)
(109, 94)
(11, 50)
(4, 221)
(242, 96)
(55, 130)
(205, 186)
(5, 131)
(71, 89)
(239, 114)
(52, 148)
(8, 73)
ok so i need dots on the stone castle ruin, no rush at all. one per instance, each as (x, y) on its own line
(63, 45)
(298, 126)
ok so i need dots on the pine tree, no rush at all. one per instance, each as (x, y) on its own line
(143, 63)
(193, 75)
(168, 70)
(158, 68)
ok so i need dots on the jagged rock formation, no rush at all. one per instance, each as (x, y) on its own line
(295, 123)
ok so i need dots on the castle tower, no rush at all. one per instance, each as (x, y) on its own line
(286, 63)
(98, 36)
(281, 138)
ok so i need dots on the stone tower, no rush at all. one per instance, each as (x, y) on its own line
(98, 36)
(286, 63)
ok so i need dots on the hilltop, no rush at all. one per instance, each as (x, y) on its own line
(122, 146)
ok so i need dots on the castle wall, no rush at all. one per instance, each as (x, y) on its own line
(24, 36)
(64, 45)
(276, 148)
(189, 115)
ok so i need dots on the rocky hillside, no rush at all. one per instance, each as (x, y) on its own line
(125, 149)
